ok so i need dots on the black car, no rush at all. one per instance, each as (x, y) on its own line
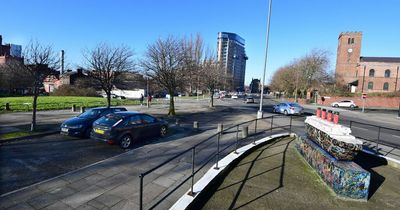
(81, 125)
(125, 128)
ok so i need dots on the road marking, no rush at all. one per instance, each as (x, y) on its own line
(396, 136)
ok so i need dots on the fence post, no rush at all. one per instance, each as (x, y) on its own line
(141, 192)
(272, 122)
(7, 106)
(220, 128)
(290, 126)
(237, 139)
(377, 141)
(217, 155)
(73, 108)
(255, 127)
(83, 109)
(191, 193)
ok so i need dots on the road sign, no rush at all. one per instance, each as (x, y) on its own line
(364, 95)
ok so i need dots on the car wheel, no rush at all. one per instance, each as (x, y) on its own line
(285, 112)
(125, 141)
(336, 105)
(352, 106)
(163, 131)
(86, 134)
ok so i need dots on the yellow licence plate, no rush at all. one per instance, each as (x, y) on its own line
(98, 131)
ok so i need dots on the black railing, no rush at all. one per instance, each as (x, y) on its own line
(216, 155)
(378, 129)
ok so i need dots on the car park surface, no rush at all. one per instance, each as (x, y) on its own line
(126, 128)
(81, 125)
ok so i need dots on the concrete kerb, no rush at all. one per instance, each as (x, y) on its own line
(29, 136)
(223, 164)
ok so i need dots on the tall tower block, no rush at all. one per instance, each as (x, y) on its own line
(348, 57)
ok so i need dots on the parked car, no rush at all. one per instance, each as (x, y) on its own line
(344, 103)
(81, 125)
(125, 128)
(235, 96)
(288, 108)
(113, 96)
(249, 100)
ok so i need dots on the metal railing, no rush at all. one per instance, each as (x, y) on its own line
(217, 155)
(379, 131)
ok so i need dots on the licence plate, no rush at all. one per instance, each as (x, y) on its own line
(98, 131)
(64, 130)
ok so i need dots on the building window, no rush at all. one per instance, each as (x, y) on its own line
(387, 73)
(352, 40)
(349, 41)
(370, 85)
(386, 86)
(371, 72)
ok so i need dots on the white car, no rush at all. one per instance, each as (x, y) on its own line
(344, 103)
(235, 96)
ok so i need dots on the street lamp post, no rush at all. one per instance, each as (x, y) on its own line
(260, 112)
(147, 98)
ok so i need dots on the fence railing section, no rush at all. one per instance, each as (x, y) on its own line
(215, 146)
(383, 135)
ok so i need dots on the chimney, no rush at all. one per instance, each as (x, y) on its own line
(62, 61)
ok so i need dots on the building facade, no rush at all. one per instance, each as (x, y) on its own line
(255, 86)
(9, 52)
(364, 74)
(231, 54)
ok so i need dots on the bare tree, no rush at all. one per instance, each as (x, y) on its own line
(39, 62)
(105, 64)
(212, 76)
(164, 63)
(193, 51)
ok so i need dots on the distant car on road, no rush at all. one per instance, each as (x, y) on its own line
(81, 125)
(235, 96)
(125, 128)
(288, 108)
(344, 103)
(249, 100)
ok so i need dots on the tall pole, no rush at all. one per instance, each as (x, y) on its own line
(147, 80)
(362, 88)
(260, 112)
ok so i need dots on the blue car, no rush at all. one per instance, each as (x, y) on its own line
(287, 108)
(81, 125)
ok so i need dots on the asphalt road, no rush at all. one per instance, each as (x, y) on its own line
(27, 162)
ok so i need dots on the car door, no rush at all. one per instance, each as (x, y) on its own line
(151, 126)
(135, 127)
(282, 107)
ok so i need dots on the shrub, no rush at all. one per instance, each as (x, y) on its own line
(69, 90)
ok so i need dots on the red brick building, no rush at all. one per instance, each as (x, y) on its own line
(364, 74)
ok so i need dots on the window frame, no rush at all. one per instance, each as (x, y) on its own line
(373, 73)
(370, 85)
(386, 84)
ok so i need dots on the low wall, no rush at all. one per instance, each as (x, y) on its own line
(370, 102)
(345, 178)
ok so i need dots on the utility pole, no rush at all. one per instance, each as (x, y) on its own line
(147, 79)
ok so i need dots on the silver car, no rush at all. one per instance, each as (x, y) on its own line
(288, 108)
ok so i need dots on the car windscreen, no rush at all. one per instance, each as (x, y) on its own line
(109, 120)
(93, 113)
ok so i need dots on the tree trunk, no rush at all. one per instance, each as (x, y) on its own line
(108, 99)
(34, 107)
(171, 111)
(211, 98)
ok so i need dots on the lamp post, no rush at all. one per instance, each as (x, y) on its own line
(260, 112)
(147, 98)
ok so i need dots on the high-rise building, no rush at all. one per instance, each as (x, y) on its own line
(231, 54)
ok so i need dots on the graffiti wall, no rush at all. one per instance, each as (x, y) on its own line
(346, 178)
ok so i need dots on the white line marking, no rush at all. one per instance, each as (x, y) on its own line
(360, 128)
(396, 136)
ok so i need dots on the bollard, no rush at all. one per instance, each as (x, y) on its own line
(83, 109)
(220, 128)
(73, 108)
(177, 123)
(8, 107)
(196, 125)
(245, 132)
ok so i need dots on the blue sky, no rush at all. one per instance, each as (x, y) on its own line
(297, 26)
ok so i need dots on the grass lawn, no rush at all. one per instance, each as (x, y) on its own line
(18, 104)
(15, 135)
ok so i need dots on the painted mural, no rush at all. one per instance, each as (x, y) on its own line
(338, 149)
(346, 178)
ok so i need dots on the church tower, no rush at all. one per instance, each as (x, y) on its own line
(348, 57)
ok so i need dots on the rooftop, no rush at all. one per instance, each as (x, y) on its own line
(380, 59)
